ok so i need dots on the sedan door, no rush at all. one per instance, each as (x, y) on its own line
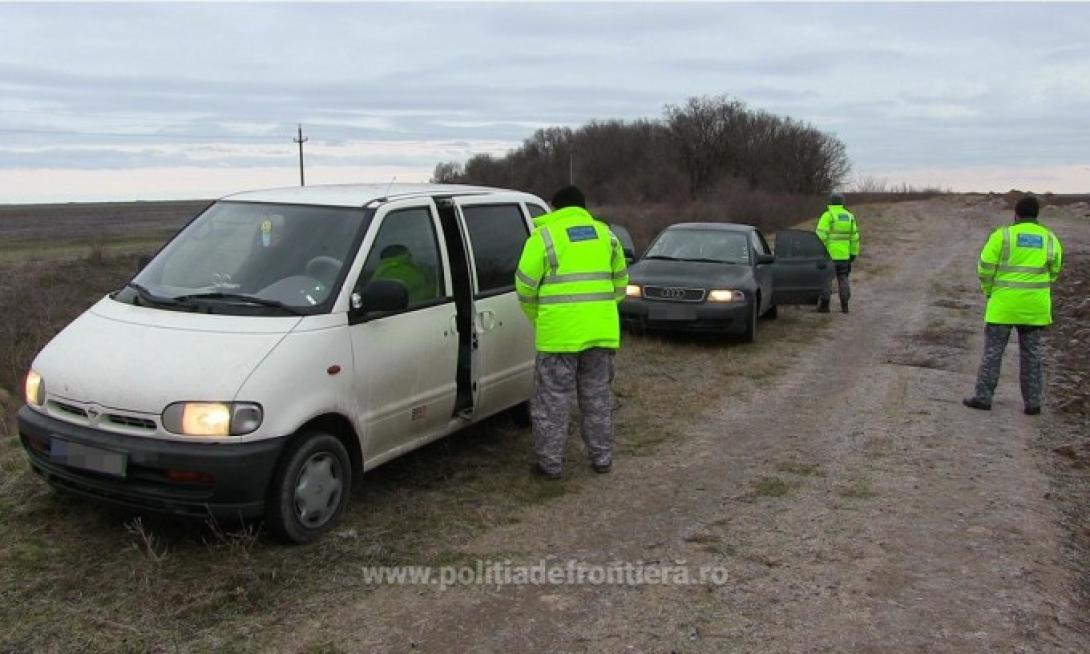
(801, 268)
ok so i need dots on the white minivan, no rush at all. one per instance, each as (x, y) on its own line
(281, 344)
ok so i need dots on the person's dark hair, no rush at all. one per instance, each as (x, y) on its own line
(395, 250)
(836, 198)
(1027, 207)
(569, 196)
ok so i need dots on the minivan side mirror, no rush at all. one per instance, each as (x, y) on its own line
(380, 296)
(765, 258)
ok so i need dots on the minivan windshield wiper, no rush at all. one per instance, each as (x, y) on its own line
(239, 297)
(151, 298)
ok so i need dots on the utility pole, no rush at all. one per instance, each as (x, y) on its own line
(301, 141)
(571, 167)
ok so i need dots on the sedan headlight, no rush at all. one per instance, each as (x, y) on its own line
(34, 390)
(633, 290)
(212, 418)
(720, 295)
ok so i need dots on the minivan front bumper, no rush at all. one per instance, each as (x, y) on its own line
(224, 482)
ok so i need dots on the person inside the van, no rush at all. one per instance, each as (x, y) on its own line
(396, 262)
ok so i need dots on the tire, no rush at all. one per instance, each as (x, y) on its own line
(520, 415)
(310, 489)
(750, 333)
(772, 313)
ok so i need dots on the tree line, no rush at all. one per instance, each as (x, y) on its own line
(697, 150)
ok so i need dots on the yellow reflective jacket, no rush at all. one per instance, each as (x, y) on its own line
(1017, 267)
(839, 232)
(402, 268)
(570, 277)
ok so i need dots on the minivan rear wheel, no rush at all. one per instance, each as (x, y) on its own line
(310, 491)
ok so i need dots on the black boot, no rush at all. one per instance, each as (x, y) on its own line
(823, 306)
(843, 306)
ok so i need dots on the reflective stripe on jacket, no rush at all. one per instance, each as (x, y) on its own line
(570, 277)
(839, 232)
(1017, 267)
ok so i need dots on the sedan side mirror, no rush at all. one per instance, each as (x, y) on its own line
(380, 296)
(765, 259)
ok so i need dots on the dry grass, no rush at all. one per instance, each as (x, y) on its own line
(774, 487)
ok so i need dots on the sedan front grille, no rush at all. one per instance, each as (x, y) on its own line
(674, 293)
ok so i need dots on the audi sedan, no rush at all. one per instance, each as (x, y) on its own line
(722, 277)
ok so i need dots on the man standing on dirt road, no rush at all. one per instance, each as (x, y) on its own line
(569, 280)
(1017, 267)
(839, 232)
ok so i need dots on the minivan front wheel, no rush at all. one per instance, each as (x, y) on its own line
(310, 490)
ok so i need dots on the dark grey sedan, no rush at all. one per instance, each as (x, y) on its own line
(721, 277)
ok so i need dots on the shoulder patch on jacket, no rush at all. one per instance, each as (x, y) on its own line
(843, 217)
(1030, 241)
(583, 233)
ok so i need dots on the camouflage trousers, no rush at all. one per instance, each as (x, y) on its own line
(1030, 347)
(557, 377)
(843, 288)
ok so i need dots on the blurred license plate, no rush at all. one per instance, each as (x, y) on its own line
(86, 457)
(671, 312)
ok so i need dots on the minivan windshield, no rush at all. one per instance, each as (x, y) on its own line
(713, 245)
(252, 258)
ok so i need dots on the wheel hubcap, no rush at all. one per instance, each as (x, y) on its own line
(318, 489)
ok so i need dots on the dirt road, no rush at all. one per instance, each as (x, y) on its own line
(856, 504)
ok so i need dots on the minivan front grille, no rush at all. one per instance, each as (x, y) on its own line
(70, 409)
(130, 421)
(674, 293)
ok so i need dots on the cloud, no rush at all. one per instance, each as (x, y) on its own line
(200, 86)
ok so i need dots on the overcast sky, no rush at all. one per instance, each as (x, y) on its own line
(149, 101)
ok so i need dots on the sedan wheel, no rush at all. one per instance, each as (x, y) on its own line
(750, 333)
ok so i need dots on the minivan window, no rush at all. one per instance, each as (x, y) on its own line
(536, 210)
(496, 236)
(271, 253)
(406, 249)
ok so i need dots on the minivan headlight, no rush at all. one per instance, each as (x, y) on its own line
(34, 390)
(212, 418)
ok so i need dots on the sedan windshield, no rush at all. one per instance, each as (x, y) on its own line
(240, 257)
(714, 245)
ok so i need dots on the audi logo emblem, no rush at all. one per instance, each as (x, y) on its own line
(673, 293)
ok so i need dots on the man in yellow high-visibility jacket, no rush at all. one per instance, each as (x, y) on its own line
(569, 280)
(839, 231)
(1017, 267)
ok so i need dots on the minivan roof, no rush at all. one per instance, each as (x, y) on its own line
(355, 195)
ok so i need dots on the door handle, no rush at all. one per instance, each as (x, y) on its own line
(488, 320)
